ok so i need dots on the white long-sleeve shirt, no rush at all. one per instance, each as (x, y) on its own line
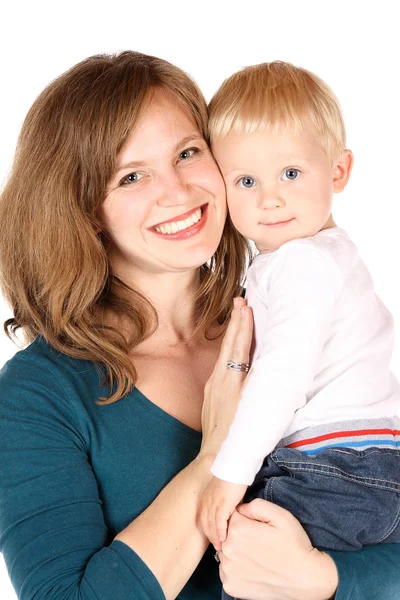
(324, 341)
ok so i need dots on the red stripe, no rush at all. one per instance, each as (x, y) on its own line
(339, 434)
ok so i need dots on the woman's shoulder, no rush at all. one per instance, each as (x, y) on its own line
(42, 360)
(41, 378)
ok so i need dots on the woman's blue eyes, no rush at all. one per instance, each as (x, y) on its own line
(188, 153)
(131, 178)
(135, 177)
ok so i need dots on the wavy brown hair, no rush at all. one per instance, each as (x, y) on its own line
(55, 272)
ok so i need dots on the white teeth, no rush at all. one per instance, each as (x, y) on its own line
(175, 226)
(181, 225)
(197, 215)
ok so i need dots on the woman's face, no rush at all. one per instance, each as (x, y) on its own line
(165, 206)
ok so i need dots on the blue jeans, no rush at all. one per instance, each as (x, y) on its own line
(344, 498)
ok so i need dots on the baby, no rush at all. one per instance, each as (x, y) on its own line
(317, 425)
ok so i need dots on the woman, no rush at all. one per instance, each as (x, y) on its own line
(120, 266)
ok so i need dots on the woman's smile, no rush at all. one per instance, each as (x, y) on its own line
(183, 226)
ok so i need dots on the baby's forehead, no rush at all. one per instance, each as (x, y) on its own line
(266, 147)
(281, 140)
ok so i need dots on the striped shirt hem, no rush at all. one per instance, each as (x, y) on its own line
(359, 435)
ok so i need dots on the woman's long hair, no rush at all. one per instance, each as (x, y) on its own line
(55, 272)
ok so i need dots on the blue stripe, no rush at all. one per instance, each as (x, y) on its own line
(368, 443)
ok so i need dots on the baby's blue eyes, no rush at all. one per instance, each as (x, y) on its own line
(247, 182)
(290, 174)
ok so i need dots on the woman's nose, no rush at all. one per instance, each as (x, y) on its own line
(174, 191)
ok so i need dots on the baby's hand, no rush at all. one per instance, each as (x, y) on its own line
(219, 501)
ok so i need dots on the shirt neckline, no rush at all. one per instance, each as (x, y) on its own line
(165, 416)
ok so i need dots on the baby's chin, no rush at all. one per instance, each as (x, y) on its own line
(274, 242)
(271, 245)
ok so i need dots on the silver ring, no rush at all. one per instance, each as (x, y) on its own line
(238, 366)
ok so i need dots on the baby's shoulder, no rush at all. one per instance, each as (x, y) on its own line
(317, 260)
(300, 253)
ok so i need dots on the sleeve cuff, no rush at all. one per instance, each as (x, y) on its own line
(119, 573)
(370, 573)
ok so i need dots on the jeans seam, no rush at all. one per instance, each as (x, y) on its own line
(268, 489)
(392, 528)
(368, 481)
(331, 470)
(364, 453)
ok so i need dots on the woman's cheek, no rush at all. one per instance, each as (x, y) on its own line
(212, 178)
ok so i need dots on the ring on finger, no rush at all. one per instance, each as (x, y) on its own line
(238, 366)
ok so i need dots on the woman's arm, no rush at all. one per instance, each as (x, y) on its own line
(268, 556)
(53, 534)
(166, 535)
(368, 574)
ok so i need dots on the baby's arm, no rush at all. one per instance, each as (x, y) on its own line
(299, 294)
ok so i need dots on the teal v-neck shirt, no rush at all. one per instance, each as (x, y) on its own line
(73, 474)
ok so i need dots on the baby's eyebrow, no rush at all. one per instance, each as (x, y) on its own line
(293, 159)
(236, 170)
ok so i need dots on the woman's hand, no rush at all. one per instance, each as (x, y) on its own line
(222, 390)
(268, 556)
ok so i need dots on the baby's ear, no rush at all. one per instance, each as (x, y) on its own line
(341, 170)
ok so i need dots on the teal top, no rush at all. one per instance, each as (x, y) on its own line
(73, 474)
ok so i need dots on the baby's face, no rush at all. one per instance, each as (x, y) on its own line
(279, 186)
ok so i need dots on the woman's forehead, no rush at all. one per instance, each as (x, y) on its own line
(163, 125)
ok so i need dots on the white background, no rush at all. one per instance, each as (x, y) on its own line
(352, 45)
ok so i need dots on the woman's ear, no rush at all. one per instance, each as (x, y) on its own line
(341, 170)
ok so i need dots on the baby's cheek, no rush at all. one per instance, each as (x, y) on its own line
(239, 218)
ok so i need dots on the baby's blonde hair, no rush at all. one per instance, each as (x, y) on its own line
(275, 96)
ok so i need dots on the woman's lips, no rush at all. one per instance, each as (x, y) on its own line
(189, 231)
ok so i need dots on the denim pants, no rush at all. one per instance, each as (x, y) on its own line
(344, 498)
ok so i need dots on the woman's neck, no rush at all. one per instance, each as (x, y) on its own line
(173, 297)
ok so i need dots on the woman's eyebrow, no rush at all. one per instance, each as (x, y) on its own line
(187, 139)
(130, 165)
(141, 163)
